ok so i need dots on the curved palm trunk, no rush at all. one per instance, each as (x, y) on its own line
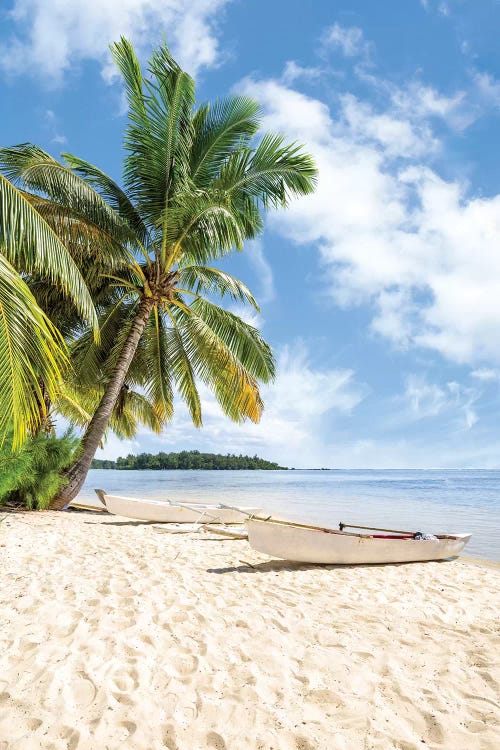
(77, 473)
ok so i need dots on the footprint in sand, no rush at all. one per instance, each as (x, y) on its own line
(215, 741)
(185, 715)
(33, 724)
(66, 624)
(190, 645)
(168, 737)
(302, 743)
(129, 727)
(184, 665)
(81, 691)
(124, 681)
(71, 737)
(325, 698)
(280, 627)
(327, 638)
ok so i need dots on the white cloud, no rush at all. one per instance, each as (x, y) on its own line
(421, 250)
(255, 255)
(397, 135)
(114, 447)
(486, 374)
(416, 100)
(54, 35)
(488, 88)
(443, 8)
(293, 72)
(426, 400)
(52, 122)
(349, 40)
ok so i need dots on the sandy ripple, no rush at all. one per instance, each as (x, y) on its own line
(114, 636)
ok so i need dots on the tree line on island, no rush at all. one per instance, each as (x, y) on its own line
(113, 304)
(187, 460)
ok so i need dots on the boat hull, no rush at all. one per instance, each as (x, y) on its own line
(297, 544)
(161, 512)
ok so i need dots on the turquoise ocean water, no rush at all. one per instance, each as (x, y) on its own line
(434, 500)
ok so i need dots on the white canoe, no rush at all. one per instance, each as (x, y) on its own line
(311, 544)
(167, 512)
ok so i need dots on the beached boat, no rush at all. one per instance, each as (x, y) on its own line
(313, 544)
(168, 511)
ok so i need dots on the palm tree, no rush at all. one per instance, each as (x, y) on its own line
(32, 352)
(195, 187)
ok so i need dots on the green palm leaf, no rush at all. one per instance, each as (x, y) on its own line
(111, 193)
(158, 385)
(29, 243)
(219, 128)
(272, 174)
(206, 280)
(39, 171)
(31, 352)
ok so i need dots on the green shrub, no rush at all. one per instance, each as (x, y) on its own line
(33, 474)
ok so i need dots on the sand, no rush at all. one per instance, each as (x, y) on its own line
(116, 636)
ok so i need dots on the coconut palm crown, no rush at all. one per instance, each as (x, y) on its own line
(197, 181)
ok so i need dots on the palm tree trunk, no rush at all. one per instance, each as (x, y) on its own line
(94, 433)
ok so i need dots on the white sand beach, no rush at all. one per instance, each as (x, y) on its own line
(117, 636)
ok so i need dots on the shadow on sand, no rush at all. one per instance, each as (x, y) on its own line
(274, 566)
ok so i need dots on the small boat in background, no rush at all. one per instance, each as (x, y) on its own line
(313, 544)
(169, 511)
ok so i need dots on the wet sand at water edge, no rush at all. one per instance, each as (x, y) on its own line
(115, 635)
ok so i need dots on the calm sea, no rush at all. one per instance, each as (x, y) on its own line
(432, 500)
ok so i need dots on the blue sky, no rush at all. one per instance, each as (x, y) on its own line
(381, 293)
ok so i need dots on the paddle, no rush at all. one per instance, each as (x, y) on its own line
(343, 526)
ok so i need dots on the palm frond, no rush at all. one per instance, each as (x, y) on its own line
(112, 193)
(203, 227)
(31, 352)
(159, 132)
(158, 384)
(272, 174)
(30, 244)
(206, 280)
(219, 128)
(90, 246)
(77, 404)
(35, 169)
(93, 361)
(242, 339)
(234, 388)
(182, 371)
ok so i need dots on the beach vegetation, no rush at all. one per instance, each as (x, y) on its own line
(186, 460)
(31, 475)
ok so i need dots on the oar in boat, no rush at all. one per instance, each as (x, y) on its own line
(343, 526)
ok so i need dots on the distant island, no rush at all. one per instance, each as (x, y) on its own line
(186, 460)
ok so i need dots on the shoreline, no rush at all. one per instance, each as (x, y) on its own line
(117, 636)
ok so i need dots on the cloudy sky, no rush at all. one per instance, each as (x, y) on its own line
(380, 293)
